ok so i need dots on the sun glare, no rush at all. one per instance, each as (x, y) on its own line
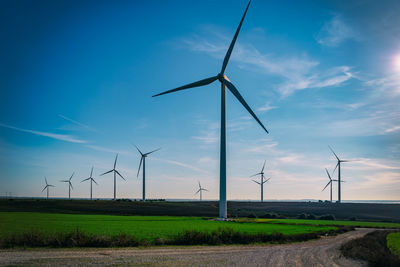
(397, 62)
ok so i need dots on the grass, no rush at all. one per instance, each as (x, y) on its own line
(371, 248)
(393, 243)
(330, 222)
(143, 227)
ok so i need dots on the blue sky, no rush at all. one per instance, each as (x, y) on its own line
(77, 79)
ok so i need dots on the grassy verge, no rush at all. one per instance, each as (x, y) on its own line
(393, 243)
(371, 248)
(220, 236)
(327, 222)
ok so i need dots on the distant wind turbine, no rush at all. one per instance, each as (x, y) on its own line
(91, 182)
(115, 177)
(330, 182)
(143, 160)
(339, 161)
(225, 82)
(262, 181)
(200, 191)
(47, 187)
(69, 185)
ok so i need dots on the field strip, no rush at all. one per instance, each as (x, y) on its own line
(311, 253)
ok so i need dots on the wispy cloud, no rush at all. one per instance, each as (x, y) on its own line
(181, 164)
(266, 107)
(62, 137)
(84, 126)
(105, 149)
(297, 72)
(335, 32)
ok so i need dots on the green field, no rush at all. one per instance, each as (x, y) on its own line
(328, 222)
(142, 227)
(393, 243)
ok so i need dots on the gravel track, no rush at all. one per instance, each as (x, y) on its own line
(321, 252)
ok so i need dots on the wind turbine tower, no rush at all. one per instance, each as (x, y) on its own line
(143, 161)
(47, 187)
(91, 182)
(69, 185)
(115, 172)
(339, 161)
(262, 181)
(200, 191)
(225, 82)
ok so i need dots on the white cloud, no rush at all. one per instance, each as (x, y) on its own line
(298, 72)
(266, 107)
(61, 137)
(335, 32)
(84, 126)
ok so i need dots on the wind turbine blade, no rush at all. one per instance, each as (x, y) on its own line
(229, 52)
(86, 179)
(115, 162)
(44, 188)
(45, 180)
(51, 185)
(205, 189)
(263, 166)
(199, 185)
(236, 93)
(91, 172)
(152, 151)
(140, 164)
(266, 180)
(70, 184)
(64, 181)
(190, 85)
(256, 182)
(334, 153)
(326, 185)
(328, 174)
(347, 160)
(94, 181)
(197, 191)
(120, 175)
(139, 150)
(71, 176)
(256, 174)
(335, 168)
(106, 172)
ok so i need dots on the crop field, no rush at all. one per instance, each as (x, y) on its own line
(142, 227)
(393, 243)
(329, 222)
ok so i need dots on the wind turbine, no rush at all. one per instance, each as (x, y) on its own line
(262, 181)
(339, 161)
(91, 182)
(143, 160)
(225, 82)
(69, 185)
(115, 177)
(200, 191)
(47, 187)
(330, 182)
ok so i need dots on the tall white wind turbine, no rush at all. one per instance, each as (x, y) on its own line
(115, 172)
(69, 185)
(200, 191)
(91, 179)
(262, 181)
(225, 82)
(339, 161)
(47, 187)
(330, 182)
(143, 161)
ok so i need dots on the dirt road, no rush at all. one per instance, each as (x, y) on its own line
(322, 252)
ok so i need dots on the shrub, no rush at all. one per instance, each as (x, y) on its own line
(327, 217)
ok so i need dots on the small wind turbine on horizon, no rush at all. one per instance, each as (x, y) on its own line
(339, 161)
(200, 191)
(262, 181)
(69, 185)
(225, 82)
(47, 187)
(330, 182)
(115, 172)
(143, 160)
(91, 182)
